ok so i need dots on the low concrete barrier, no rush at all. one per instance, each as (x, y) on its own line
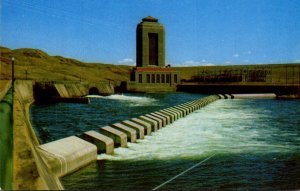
(254, 96)
(248, 96)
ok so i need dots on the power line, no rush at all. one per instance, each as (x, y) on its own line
(63, 14)
(194, 166)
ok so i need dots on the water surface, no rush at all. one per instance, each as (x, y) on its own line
(253, 144)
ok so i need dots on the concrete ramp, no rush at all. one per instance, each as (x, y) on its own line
(67, 155)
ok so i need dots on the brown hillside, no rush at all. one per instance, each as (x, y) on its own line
(41, 66)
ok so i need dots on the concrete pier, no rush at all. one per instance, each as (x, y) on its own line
(146, 125)
(120, 138)
(173, 116)
(176, 112)
(164, 120)
(140, 131)
(67, 155)
(131, 133)
(159, 120)
(184, 110)
(104, 144)
(183, 114)
(170, 115)
(167, 118)
(154, 124)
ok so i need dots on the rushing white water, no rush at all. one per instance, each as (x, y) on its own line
(133, 100)
(221, 127)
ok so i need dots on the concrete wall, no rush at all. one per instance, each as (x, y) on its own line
(146, 87)
(82, 89)
(6, 141)
(64, 91)
(29, 170)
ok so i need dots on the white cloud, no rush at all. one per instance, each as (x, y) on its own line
(191, 62)
(235, 55)
(128, 61)
(208, 64)
(203, 62)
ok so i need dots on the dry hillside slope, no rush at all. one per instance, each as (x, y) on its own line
(41, 66)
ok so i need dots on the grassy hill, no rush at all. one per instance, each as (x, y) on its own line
(41, 66)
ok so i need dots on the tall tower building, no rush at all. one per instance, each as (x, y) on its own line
(150, 43)
(150, 73)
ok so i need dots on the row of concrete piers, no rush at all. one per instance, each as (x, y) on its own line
(69, 154)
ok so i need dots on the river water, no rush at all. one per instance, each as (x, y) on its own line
(228, 145)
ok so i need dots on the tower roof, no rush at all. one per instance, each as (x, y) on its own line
(150, 19)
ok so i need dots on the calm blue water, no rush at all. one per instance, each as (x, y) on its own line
(253, 145)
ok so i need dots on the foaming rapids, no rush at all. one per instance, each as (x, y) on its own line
(223, 127)
(133, 100)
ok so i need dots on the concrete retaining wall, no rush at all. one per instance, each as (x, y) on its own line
(6, 141)
(29, 171)
(69, 91)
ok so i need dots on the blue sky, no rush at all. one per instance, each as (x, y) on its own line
(198, 32)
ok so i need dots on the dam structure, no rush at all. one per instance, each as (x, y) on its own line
(28, 164)
(69, 154)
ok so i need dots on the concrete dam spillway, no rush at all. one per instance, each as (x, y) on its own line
(69, 154)
(123, 134)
